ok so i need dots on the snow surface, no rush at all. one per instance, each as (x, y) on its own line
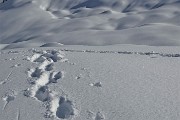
(89, 60)
(90, 83)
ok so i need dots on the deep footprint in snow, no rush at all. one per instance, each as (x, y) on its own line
(49, 67)
(34, 57)
(41, 77)
(54, 55)
(36, 73)
(65, 109)
(47, 55)
(57, 56)
(55, 76)
(43, 94)
(40, 59)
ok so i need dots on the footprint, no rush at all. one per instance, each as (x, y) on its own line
(36, 73)
(34, 57)
(43, 94)
(99, 116)
(8, 97)
(78, 77)
(49, 67)
(98, 84)
(65, 109)
(90, 114)
(40, 59)
(27, 92)
(16, 65)
(54, 55)
(41, 77)
(43, 80)
(55, 76)
(45, 64)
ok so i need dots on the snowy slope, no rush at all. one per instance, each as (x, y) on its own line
(27, 23)
(90, 83)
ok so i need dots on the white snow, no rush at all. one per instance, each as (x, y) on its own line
(89, 60)
(115, 82)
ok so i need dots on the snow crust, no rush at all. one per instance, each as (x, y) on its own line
(90, 83)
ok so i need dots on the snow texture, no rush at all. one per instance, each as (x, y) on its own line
(89, 59)
(119, 82)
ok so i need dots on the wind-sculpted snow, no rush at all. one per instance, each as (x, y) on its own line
(30, 23)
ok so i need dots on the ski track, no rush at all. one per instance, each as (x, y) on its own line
(7, 79)
(44, 75)
(18, 115)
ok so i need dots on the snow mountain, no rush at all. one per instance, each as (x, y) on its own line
(89, 22)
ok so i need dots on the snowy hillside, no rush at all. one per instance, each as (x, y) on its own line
(26, 23)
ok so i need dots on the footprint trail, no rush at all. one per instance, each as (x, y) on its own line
(44, 75)
(8, 97)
